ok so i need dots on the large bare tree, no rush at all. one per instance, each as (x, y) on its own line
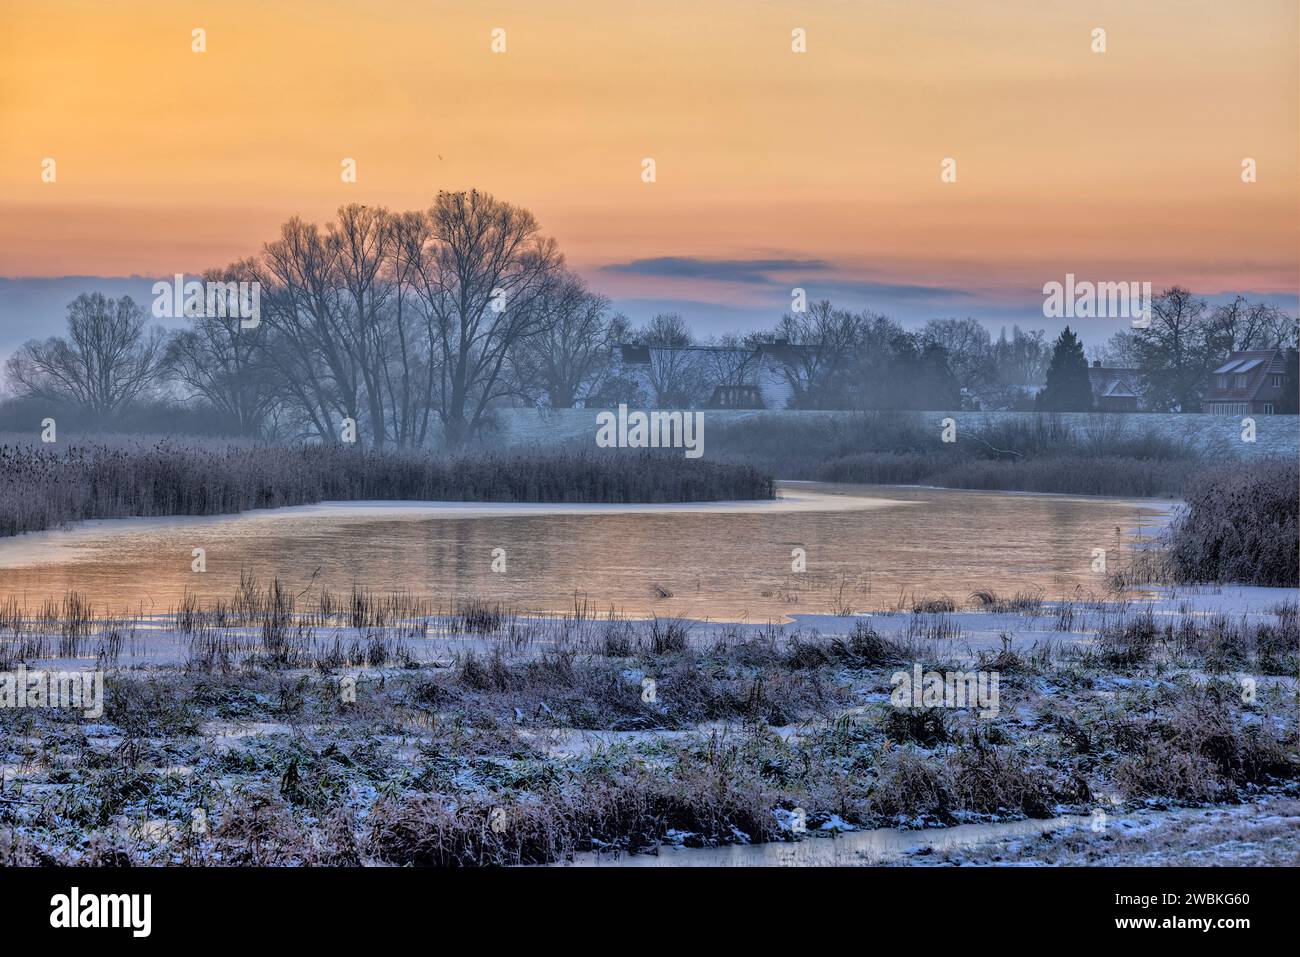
(223, 361)
(563, 361)
(968, 345)
(483, 278)
(1176, 350)
(308, 343)
(361, 242)
(108, 359)
(826, 345)
(1242, 325)
(410, 374)
(677, 374)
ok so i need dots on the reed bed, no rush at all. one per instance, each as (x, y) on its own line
(1112, 455)
(42, 488)
(1240, 525)
(277, 627)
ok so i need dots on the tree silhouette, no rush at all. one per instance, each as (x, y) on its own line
(1068, 388)
(107, 360)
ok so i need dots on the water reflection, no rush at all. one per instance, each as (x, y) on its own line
(866, 548)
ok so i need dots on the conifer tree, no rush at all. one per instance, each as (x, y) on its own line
(1068, 387)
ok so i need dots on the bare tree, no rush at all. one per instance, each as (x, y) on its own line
(969, 348)
(1018, 363)
(360, 241)
(1242, 325)
(308, 342)
(732, 360)
(482, 279)
(676, 375)
(409, 373)
(1176, 350)
(667, 329)
(1120, 350)
(107, 360)
(564, 360)
(827, 343)
(1021, 360)
(223, 362)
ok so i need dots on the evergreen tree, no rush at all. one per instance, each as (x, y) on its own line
(1068, 388)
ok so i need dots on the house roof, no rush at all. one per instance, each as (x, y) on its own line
(781, 351)
(1257, 366)
(1116, 383)
(1237, 365)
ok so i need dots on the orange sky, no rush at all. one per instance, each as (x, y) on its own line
(1122, 165)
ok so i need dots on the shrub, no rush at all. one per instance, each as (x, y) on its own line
(1198, 749)
(911, 786)
(1240, 525)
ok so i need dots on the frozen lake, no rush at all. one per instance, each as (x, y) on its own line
(863, 548)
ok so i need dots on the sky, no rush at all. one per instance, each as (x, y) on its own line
(773, 169)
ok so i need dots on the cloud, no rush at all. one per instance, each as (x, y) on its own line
(716, 270)
(893, 291)
(827, 284)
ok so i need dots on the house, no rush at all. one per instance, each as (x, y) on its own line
(1249, 383)
(1116, 389)
(704, 376)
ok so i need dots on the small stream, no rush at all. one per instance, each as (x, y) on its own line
(851, 848)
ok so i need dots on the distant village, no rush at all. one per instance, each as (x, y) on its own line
(766, 376)
(1236, 358)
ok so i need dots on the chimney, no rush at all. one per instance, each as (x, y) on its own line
(1096, 363)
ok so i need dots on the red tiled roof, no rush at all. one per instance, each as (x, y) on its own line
(1257, 366)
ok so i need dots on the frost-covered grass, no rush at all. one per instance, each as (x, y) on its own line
(45, 487)
(318, 734)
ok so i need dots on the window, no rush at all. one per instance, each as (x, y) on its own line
(1268, 408)
(1275, 380)
(1241, 382)
(1223, 382)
